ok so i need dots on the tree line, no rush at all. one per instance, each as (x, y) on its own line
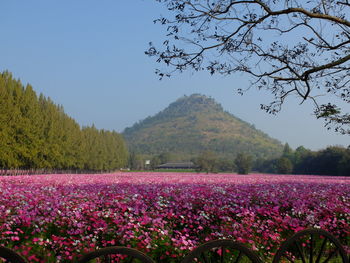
(208, 162)
(333, 160)
(35, 133)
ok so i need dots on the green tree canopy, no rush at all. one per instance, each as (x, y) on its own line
(36, 133)
(284, 166)
(243, 163)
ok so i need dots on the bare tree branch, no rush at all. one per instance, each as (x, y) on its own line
(287, 47)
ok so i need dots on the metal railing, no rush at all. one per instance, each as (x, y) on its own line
(17, 172)
(307, 246)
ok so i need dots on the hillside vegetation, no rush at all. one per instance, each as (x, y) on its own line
(195, 124)
(36, 133)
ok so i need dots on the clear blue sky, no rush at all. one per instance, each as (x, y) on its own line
(88, 56)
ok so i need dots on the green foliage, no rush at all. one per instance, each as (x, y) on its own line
(36, 133)
(284, 166)
(207, 162)
(334, 160)
(164, 157)
(136, 162)
(287, 152)
(196, 124)
(225, 165)
(210, 163)
(155, 161)
(243, 163)
(343, 168)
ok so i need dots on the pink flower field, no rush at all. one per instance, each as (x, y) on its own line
(56, 218)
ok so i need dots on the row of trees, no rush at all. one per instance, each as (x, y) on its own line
(35, 133)
(208, 162)
(334, 160)
(205, 162)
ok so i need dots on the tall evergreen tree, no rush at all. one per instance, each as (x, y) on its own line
(37, 133)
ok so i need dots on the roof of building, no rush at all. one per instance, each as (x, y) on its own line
(184, 165)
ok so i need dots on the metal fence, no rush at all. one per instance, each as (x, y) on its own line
(307, 246)
(17, 172)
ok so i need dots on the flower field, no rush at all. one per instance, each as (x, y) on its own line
(55, 218)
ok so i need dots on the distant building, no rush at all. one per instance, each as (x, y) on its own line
(185, 165)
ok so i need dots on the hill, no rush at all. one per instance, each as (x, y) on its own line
(194, 124)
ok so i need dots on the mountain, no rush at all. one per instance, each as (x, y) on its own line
(194, 124)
